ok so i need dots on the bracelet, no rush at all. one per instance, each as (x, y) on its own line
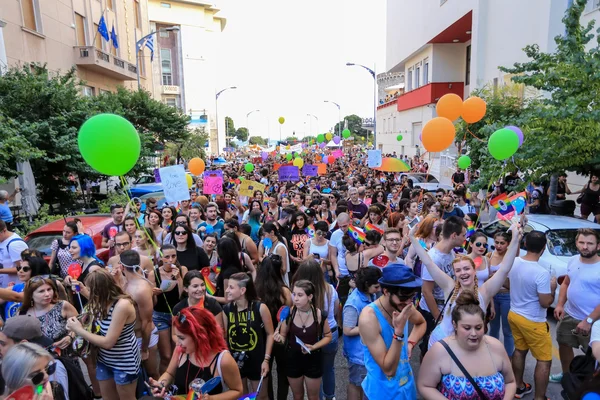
(399, 338)
(267, 357)
(412, 342)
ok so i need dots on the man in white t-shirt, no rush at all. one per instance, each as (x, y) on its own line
(337, 253)
(595, 340)
(11, 247)
(579, 300)
(531, 293)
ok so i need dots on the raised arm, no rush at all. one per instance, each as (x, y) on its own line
(439, 276)
(493, 285)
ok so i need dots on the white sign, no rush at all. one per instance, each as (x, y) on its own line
(174, 183)
(374, 158)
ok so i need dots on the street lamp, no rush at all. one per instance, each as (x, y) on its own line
(139, 43)
(372, 72)
(310, 123)
(217, 115)
(339, 116)
(247, 115)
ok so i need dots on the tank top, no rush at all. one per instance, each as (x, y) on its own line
(187, 372)
(484, 274)
(590, 197)
(81, 278)
(322, 251)
(494, 269)
(125, 354)
(167, 300)
(246, 330)
(63, 257)
(311, 336)
(54, 325)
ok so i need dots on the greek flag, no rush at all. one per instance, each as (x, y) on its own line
(103, 29)
(150, 45)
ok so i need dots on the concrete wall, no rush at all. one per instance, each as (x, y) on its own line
(406, 124)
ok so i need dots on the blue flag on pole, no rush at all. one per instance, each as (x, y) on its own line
(150, 45)
(103, 29)
(113, 37)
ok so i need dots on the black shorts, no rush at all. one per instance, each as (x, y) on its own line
(252, 368)
(299, 364)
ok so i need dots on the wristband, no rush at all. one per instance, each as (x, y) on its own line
(267, 356)
(399, 338)
(412, 342)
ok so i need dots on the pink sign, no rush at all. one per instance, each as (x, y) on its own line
(213, 183)
(337, 153)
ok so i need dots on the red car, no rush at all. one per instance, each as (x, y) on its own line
(41, 239)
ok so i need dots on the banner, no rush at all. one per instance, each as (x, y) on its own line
(247, 188)
(174, 183)
(213, 182)
(295, 148)
(310, 170)
(322, 169)
(289, 174)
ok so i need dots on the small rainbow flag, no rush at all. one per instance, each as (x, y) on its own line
(192, 395)
(251, 396)
(470, 229)
(502, 204)
(310, 231)
(300, 184)
(217, 268)
(210, 287)
(372, 227)
(518, 201)
(357, 234)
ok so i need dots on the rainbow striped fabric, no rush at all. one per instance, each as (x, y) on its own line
(372, 227)
(470, 229)
(357, 234)
(310, 231)
(502, 204)
(210, 287)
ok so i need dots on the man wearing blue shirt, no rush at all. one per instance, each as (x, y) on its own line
(5, 213)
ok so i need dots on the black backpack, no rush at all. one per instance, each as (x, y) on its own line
(581, 378)
(78, 388)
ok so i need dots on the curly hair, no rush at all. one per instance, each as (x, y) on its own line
(201, 326)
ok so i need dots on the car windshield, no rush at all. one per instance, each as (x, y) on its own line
(43, 243)
(421, 178)
(561, 242)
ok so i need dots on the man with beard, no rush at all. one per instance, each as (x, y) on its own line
(392, 239)
(117, 212)
(579, 299)
(213, 223)
(449, 209)
(384, 329)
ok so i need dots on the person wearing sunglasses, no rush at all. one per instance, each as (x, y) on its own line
(318, 248)
(180, 220)
(28, 364)
(477, 251)
(188, 252)
(27, 269)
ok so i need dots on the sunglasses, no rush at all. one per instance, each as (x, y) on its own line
(406, 297)
(319, 233)
(39, 278)
(479, 244)
(24, 269)
(180, 233)
(38, 377)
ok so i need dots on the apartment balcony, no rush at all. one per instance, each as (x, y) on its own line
(429, 94)
(170, 89)
(91, 58)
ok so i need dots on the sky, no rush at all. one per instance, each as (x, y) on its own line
(287, 57)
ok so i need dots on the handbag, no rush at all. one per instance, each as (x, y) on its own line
(80, 346)
(464, 370)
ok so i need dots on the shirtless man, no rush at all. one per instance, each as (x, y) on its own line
(123, 243)
(140, 291)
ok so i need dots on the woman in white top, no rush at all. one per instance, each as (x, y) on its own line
(477, 249)
(465, 278)
(276, 246)
(318, 247)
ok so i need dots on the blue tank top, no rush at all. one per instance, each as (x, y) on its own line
(11, 307)
(379, 386)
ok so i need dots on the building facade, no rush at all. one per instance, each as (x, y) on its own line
(456, 46)
(185, 63)
(64, 34)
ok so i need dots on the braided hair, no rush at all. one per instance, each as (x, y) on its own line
(457, 287)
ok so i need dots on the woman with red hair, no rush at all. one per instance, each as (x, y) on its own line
(201, 353)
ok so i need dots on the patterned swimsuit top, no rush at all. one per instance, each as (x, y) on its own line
(459, 388)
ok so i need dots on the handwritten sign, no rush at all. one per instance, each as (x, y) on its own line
(374, 158)
(213, 182)
(289, 173)
(337, 153)
(322, 169)
(309, 170)
(247, 188)
(174, 183)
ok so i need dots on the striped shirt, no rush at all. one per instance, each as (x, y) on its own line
(125, 354)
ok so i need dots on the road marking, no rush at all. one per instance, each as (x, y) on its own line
(555, 353)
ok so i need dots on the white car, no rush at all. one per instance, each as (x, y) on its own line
(560, 232)
(427, 182)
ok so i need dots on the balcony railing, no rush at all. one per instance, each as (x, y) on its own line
(104, 63)
(429, 94)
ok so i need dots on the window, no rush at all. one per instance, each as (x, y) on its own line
(87, 91)
(97, 38)
(164, 34)
(80, 30)
(137, 14)
(31, 15)
(417, 77)
(102, 91)
(426, 72)
(165, 5)
(171, 101)
(165, 62)
(468, 67)
(409, 82)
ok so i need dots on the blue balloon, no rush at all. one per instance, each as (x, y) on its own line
(267, 243)
(591, 396)
(209, 229)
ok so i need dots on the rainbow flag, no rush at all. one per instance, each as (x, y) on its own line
(210, 287)
(251, 396)
(357, 234)
(518, 201)
(502, 204)
(310, 231)
(470, 229)
(300, 184)
(192, 395)
(371, 227)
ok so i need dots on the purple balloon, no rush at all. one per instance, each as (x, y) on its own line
(264, 155)
(336, 140)
(324, 159)
(321, 145)
(519, 133)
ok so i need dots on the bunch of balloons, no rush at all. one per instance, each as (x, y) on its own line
(505, 142)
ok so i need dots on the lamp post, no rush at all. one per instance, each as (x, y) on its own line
(139, 43)
(310, 123)
(217, 115)
(247, 123)
(372, 72)
(339, 116)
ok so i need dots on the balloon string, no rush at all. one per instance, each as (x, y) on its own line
(155, 247)
(471, 133)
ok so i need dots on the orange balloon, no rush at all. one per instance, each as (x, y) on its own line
(438, 134)
(196, 166)
(449, 106)
(473, 109)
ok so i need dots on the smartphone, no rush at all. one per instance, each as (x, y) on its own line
(316, 256)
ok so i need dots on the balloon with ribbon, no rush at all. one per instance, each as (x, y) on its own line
(449, 106)
(464, 162)
(473, 109)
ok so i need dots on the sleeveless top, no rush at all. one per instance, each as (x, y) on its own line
(54, 325)
(445, 328)
(167, 300)
(125, 354)
(484, 274)
(246, 330)
(63, 257)
(81, 278)
(494, 269)
(459, 387)
(187, 372)
(273, 250)
(311, 336)
(376, 384)
(11, 308)
(322, 251)
(590, 197)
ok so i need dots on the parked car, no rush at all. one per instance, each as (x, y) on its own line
(146, 184)
(426, 181)
(560, 233)
(41, 239)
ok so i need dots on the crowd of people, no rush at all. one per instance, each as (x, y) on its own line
(254, 295)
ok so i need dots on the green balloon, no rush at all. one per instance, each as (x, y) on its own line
(249, 167)
(288, 156)
(97, 138)
(320, 138)
(399, 138)
(464, 162)
(346, 133)
(503, 143)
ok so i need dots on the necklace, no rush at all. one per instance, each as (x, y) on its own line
(303, 320)
(384, 309)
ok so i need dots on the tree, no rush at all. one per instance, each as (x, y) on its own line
(192, 147)
(230, 126)
(257, 140)
(309, 138)
(242, 134)
(291, 139)
(354, 125)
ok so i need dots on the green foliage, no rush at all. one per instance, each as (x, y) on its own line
(242, 134)
(309, 138)
(112, 198)
(192, 146)
(354, 125)
(230, 127)
(291, 139)
(257, 140)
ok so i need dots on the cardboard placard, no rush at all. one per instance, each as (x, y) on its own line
(174, 183)
(213, 182)
(322, 169)
(289, 174)
(374, 158)
(247, 188)
(309, 170)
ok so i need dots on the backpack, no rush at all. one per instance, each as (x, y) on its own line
(582, 373)
(78, 388)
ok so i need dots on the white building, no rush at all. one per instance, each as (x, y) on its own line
(455, 46)
(185, 61)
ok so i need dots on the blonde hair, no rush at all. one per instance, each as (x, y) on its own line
(457, 287)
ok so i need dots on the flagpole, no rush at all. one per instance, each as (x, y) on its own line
(101, 15)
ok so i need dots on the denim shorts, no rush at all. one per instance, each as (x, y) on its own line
(356, 373)
(104, 373)
(162, 320)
